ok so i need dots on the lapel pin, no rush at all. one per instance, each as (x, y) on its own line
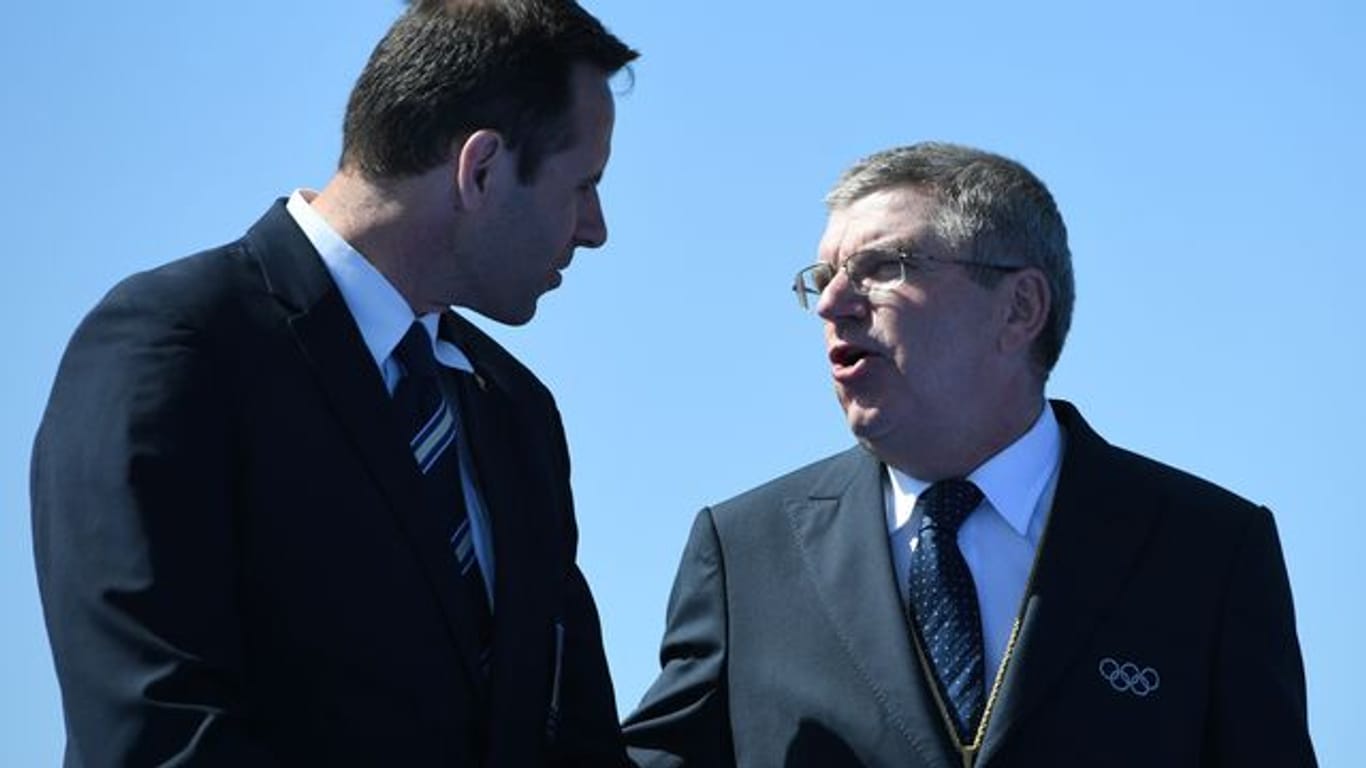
(1128, 677)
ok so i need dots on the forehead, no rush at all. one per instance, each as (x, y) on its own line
(593, 110)
(897, 215)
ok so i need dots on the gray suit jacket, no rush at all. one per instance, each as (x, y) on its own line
(787, 642)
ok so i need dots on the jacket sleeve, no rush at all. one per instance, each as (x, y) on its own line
(134, 544)
(684, 717)
(584, 709)
(583, 724)
(1258, 709)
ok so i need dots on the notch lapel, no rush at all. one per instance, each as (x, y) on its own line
(841, 534)
(1092, 541)
(329, 340)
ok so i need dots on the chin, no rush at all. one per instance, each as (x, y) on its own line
(874, 425)
(515, 312)
(863, 420)
(859, 408)
(519, 319)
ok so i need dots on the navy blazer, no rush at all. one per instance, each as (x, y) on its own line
(787, 643)
(231, 553)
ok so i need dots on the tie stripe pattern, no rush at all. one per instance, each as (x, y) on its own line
(432, 440)
(943, 603)
(462, 544)
(435, 429)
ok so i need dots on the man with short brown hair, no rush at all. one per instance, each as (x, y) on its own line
(288, 507)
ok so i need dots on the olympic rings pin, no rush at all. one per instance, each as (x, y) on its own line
(1127, 677)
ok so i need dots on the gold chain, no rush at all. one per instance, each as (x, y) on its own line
(969, 751)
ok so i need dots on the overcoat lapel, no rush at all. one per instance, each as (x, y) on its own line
(329, 340)
(515, 486)
(841, 534)
(1094, 536)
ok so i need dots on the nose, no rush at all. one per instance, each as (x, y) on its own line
(591, 231)
(840, 301)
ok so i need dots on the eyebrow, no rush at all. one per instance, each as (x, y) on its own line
(898, 247)
(894, 246)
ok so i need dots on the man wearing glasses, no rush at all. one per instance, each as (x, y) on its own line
(983, 580)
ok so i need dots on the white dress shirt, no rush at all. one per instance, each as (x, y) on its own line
(998, 539)
(383, 316)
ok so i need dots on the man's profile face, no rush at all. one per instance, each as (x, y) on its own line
(913, 363)
(537, 225)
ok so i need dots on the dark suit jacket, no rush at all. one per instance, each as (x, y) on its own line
(787, 642)
(231, 553)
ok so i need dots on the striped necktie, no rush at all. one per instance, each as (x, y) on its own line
(427, 416)
(943, 603)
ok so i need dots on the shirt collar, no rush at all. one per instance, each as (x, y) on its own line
(380, 311)
(1012, 480)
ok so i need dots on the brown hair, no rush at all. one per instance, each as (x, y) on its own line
(447, 68)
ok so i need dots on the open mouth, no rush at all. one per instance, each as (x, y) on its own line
(848, 361)
(844, 356)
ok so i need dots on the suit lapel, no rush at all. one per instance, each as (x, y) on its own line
(327, 336)
(841, 533)
(1095, 534)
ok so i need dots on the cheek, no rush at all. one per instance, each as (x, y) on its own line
(926, 356)
(557, 219)
(905, 340)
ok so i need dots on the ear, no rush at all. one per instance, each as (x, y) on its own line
(1026, 311)
(479, 160)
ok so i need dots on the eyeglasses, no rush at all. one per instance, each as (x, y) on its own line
(874, 270)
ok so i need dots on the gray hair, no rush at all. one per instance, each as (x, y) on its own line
(990, 209)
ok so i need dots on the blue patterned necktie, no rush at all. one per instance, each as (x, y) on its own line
(943, 603)
(434, 429)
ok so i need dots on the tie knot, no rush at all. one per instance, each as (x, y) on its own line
(948, 502)
(414, 352)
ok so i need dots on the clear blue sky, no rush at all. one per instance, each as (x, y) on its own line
(1207, 157)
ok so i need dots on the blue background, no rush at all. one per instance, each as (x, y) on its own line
(1207, 157)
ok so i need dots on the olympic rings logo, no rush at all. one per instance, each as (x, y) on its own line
(1129, 677)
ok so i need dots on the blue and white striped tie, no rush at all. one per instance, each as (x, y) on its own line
(435, 431)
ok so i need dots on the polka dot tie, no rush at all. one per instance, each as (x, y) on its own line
(943, 603)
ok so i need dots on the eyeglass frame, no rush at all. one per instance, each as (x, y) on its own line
(904, 255)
